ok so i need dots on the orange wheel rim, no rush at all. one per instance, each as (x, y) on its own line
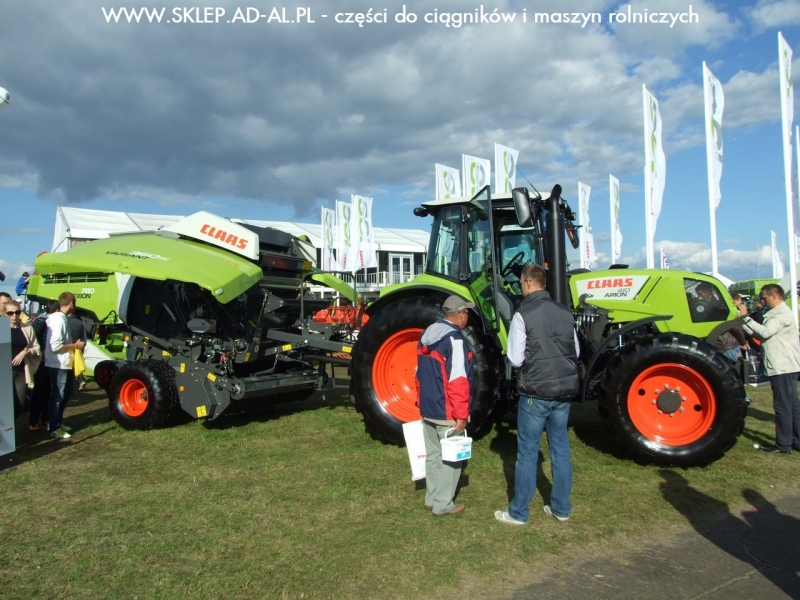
(133, 397)
(671, 404)
(393, 375)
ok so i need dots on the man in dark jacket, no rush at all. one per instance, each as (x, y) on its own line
(444, 385)
(542, 343)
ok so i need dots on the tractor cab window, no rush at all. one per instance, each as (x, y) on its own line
(517, 249)
(479, 237)
(706, 303)
(445, 248)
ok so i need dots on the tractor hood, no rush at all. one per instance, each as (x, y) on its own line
(160, 256)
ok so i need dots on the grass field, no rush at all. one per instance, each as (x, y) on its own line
(297, 500)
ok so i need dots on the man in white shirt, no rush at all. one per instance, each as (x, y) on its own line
(58, 359)
(543, 344)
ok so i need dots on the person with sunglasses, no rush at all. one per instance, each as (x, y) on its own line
(25, 352)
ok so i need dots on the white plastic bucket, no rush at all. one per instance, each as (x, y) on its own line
(456, 448)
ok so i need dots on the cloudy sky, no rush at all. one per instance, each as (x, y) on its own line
(272, 121)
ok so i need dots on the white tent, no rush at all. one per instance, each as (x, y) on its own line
(78, 225)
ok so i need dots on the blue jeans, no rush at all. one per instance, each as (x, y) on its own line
(733, 353)
(534, 417)
(62, 386)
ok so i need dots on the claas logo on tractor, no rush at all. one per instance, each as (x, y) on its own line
(223, 236)
(596, 284)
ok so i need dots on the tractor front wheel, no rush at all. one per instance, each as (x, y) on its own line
(142, 395)
(672, 400)
(385, 362)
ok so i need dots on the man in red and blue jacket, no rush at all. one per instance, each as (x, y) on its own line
(444, 386)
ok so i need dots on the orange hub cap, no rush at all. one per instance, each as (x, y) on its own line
(393, 375)
(671, 404)
(133, 398)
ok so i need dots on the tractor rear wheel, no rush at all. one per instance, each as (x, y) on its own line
(385, 362)
(672, 400)
(142, 395)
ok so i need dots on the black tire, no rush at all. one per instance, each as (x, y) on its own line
(713, 401)
(151, 381)
(104, 372)
(416, 313)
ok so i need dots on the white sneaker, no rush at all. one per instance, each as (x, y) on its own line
(504, 517)
(60, 433)
(66, 428)
(547, 511)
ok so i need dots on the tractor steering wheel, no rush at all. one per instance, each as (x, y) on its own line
(516, 261)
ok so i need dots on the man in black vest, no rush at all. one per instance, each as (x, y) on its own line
(543, 344)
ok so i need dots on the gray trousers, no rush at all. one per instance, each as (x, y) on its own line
(441, 478)
(787, 410)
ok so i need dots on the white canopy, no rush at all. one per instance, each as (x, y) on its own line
(78, 225)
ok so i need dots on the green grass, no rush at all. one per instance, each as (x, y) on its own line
(298, 500)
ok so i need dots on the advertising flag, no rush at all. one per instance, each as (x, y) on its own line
(777, 263)
(505, 168)
(362, 215)
(655, 169)
(448, 182)
(346, 242)
(715, 104)
(616, 234)
(328, 240)
(476, 173)
(664, 259)
(587, 238)
(787, 116)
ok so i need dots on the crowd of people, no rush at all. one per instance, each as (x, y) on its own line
(43, 351)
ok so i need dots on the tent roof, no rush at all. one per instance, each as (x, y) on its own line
(90, 224)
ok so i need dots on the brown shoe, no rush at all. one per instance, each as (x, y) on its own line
(457, 508)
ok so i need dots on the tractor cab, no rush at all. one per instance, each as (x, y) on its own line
(485, 241)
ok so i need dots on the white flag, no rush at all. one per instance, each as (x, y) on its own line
(505, 168)
(367, 256)
(587, 238)
(655, 168)
(777, 263)
(616, 234)
(448, 182)
(328, 240)
(787, 116)
(476, 173)
(346, 241)
(715, 105)
(664, 259)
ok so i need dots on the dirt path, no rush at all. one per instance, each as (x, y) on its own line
(750, 554)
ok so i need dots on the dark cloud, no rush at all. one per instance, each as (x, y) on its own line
(294, 113)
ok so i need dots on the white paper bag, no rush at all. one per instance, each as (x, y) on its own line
(415, 444)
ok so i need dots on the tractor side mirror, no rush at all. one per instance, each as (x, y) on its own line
(421, 211)
(522, 206)
(572, 234)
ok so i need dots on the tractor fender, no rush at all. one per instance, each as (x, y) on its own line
(407, 291)
(604, 346)
(712, 337)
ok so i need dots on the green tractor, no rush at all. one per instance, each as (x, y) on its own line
(647, 336)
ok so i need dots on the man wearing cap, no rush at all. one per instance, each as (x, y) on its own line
(543, 344)
(444, 388)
